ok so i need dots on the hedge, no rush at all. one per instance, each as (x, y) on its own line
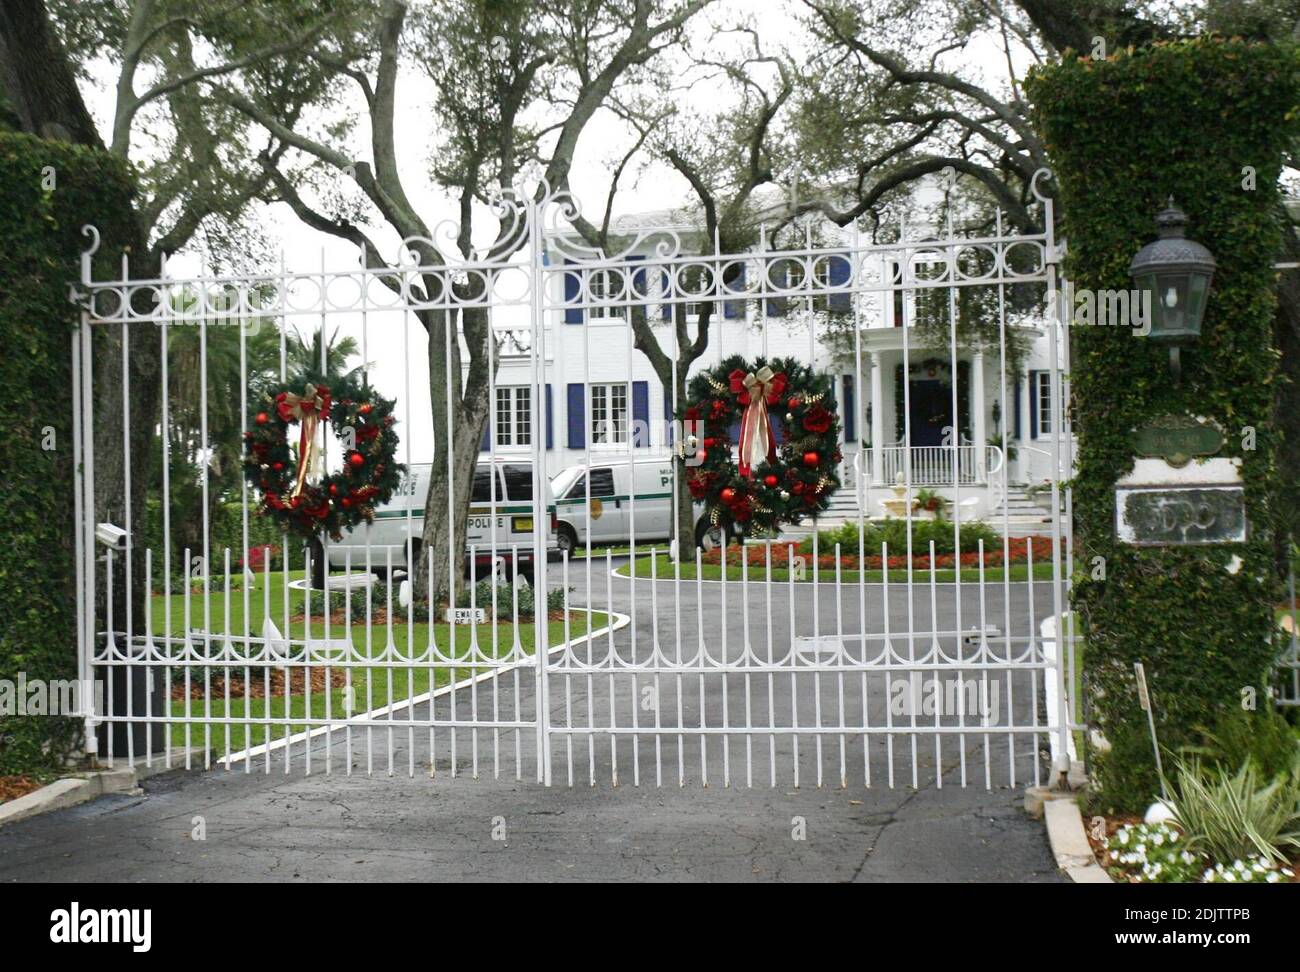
(1124, 134)
(48, 190)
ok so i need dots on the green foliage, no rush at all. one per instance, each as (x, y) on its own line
(48, 190)
(1235, 816)
(1178, 119)
(1154, 854)
(1265, 739)
(894, 533)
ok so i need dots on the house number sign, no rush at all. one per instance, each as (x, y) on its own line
(1180, 515)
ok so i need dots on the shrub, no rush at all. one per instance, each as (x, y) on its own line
(894, 533)
(1265, 739)
(1123, 135)
(1235, 816)
(41, 229)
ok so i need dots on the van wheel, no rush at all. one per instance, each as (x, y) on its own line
(566, 539)
(318, 566)
(710, 537)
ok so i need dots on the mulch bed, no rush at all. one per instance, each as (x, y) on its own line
(257, 684)
(13, 787)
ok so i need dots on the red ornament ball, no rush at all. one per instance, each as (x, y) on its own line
(334, 490)
(770, 481)
(277, 466)
(358, 460)
(365, 409)
(346, 502)
(792, 403)
(728, 495)
(262, 418)
(811, 459)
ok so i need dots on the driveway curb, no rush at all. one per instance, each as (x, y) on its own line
(84, 787)
(1070, 844)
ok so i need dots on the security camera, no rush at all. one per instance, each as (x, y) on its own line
(112, 537)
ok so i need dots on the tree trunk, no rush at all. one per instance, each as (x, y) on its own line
(468, 416)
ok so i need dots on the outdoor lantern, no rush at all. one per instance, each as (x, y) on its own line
(1176, 272)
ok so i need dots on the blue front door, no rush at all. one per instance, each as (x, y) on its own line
(930, 412)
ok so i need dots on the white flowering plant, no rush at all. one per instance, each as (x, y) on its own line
(1160, 854)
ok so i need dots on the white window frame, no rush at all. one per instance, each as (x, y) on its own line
(604, 426)
(516, 429)
(1043, 389)
(600, 284)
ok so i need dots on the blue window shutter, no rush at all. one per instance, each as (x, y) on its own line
(572, 288)
(850, 411)
(734, 308)
(486, 444)
(640, 414)
(550, 422)
(639, 288)
(577, 415)
(665, 285)
(775, 306)
(778, 427)
(1033, 404)
(1018, 431)
(839, 276)
(668, 416)
(733, 432)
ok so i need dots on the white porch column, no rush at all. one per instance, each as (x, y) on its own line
(877, 421)
(980, 434)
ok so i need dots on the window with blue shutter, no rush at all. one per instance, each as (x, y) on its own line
(640, 415)
(576, 415)
(1018, 431)
(665, 288)
(839, 272)
(550, 424)
(778, 273)
(734, 308)
(850, 411)
(1033, 404)
(668, 417)
(572, 290)
(486, 444)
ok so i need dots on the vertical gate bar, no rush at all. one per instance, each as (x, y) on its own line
(541, 637)
(860, 425)
(451, 334)
(493, 364)
(794, 677)
(1033, 654)
(680, 543)
(839, 658)
(128, 670)
(936, 654)
(744, 660)
(956, 453)
(656, 657)
(983, 656)
(411, 567)
(1002, 270)
(771, 678)
(701, 654)
(904, 278)
(726, 649)
(225, 627)
(207, 524)
(613, 660)
(889, 663)
(246, 573)
(568, 679)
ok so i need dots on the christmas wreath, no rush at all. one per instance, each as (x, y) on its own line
(779, 416)
(362, 420)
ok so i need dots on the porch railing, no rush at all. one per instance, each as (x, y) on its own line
(932, 465)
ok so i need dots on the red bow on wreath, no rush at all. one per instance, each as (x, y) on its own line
(756, 392)
(309, 408)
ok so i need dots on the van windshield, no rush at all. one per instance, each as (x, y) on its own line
(519, 482)
(564, 479)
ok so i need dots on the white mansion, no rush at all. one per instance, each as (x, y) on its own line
(598, 389)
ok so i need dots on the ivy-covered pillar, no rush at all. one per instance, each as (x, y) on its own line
(1206, 122)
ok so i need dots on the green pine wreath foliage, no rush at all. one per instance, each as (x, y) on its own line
(370, 473)
(799, 483)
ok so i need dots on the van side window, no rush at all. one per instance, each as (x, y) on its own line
(519, 482)
(482, 481)
(602, 484)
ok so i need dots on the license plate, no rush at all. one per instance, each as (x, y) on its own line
(521, 524)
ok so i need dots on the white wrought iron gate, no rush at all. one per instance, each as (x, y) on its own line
(801, 658)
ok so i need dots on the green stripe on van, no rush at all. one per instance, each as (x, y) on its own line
(578, 501)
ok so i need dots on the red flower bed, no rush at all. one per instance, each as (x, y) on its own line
(1017, 549)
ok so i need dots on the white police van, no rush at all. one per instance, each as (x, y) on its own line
(628, 498)
(501, 525)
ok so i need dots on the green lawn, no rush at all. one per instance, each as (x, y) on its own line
(371, 686)
(666, 569)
